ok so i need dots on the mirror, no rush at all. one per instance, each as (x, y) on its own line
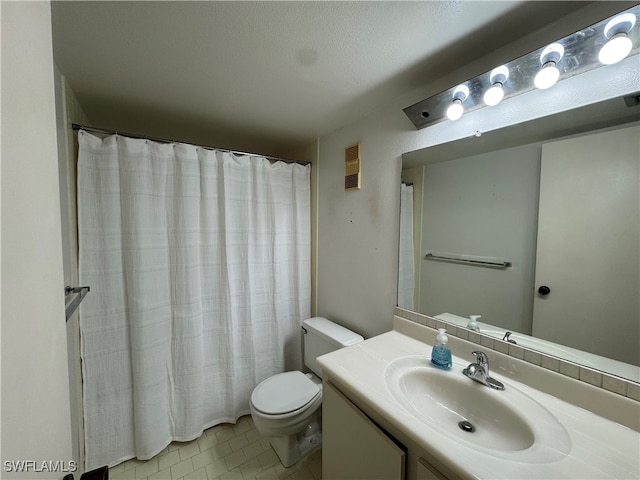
(496, 198)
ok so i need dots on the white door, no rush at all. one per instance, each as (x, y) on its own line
(588, 244)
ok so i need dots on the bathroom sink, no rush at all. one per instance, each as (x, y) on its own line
(503, 423)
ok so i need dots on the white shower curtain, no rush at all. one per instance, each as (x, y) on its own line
(199, 267)
(406, 266)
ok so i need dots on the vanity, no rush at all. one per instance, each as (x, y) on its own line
(389, 414)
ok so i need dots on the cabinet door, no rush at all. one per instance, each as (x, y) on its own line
(353, 447)
(426, 471)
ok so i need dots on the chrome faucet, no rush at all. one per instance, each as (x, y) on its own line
(479, 371)
(507, 339)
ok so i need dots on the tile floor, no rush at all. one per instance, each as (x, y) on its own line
(223, 452)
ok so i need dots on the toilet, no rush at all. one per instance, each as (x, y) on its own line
(286, 407)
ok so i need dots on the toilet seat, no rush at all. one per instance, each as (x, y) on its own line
(284, 393)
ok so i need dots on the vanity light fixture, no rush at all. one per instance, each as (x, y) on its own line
(495, 93)
(619, 44)
(549, 74)
(596, 46)
(456, 109)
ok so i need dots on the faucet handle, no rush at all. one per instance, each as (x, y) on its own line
(481, 358)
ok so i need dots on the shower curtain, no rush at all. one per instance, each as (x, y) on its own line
(199, 267)
(406, 268)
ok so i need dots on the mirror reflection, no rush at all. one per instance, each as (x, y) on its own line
(542, 222)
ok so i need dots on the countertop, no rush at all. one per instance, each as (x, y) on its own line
(598, 448)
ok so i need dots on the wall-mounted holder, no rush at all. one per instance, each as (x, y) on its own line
(492, 262)
(71, 307)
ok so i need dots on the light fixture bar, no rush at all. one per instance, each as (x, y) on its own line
(580, 55)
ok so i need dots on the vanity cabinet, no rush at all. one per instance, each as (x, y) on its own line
(353, 446)
(357, 447)
(426, 471)
(383, 419)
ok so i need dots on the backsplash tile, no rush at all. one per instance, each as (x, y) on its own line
(486, 341)
(615, 385)
(550, 363)
(474, 337)
(531, 356)
(591, 376)
(569, 369)
(611, 383)
(516, 351)
(502, 347)
(633, 391)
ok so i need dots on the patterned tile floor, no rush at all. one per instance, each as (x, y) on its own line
(223, 452)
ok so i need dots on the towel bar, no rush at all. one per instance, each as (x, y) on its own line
(469, 259)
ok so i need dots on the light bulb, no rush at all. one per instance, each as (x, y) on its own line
(619, 44)
(494, 95)
(455, 110)
(547, 76)
(615, 49)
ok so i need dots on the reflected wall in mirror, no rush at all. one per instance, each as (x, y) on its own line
(559, 199)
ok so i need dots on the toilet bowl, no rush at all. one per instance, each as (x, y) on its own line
(286, 407)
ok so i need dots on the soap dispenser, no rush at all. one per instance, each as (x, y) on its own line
(473, 323)
(441, 353)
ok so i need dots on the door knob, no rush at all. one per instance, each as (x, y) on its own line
(544, 290)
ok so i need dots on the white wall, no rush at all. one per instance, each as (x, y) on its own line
(35, 389)
(69, 111)
(309, 153)
(357, 230)
(484, 205)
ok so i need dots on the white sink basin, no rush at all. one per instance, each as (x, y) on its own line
(503, 423)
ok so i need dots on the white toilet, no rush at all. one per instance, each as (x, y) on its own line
(286, 406)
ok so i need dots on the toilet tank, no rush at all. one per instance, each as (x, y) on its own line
(323, 336)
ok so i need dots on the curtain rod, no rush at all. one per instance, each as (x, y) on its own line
(76, 126)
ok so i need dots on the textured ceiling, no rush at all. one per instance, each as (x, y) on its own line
(268, 76)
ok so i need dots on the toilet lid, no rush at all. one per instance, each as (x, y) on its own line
(283, 393)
